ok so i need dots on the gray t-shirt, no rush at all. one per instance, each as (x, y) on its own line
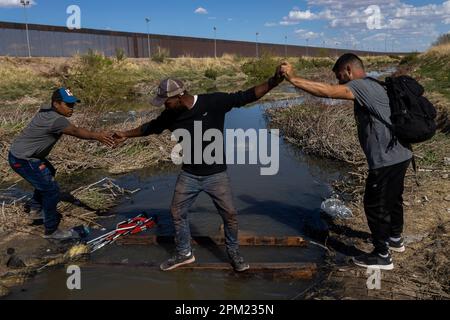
(374, 136)
(40, 136)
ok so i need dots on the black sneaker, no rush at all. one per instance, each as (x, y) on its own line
(237, 262)
(374, 260)
(177, 261)
(397, 246)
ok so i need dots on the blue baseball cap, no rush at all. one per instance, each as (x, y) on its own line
(65, 95)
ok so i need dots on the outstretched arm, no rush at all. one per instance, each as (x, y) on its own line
(318, 89)
(242, 98)
(80, 133)
(156, 126)
(121, 137)
(262, 89)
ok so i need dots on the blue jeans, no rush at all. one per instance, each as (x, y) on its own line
(187, 189)
(41, 175)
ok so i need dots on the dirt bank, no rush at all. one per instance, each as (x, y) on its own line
(422, 272)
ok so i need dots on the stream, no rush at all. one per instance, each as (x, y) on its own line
(281, 205)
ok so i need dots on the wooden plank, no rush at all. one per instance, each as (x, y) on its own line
(244, 241)
(291, 270)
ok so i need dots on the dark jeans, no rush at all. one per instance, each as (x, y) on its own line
(383, 204)
(41, 175)
(187, 189)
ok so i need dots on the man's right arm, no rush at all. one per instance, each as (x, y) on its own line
(318, 89)
(81, 133)
(156, 126)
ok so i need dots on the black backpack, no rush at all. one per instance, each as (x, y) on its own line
(413, 116)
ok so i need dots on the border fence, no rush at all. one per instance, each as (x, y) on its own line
(55, 41)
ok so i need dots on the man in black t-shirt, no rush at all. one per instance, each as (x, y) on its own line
(186, 111)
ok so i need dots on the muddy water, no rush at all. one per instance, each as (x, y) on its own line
(280, 205)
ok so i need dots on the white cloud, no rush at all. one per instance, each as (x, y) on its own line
(343, 5)
(270, 24)
(288, 23)
(377, 37)
(201, 10)
(295, 16)
(397, 23)
(301, 15)
(13, 3)
(305, 34)
(356, 21)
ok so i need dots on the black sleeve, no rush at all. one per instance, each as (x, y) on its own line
(238, 99)
(158, 125)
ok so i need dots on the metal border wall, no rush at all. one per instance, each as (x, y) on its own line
(54, 41)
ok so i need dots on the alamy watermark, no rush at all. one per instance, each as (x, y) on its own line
(74, 20)
(374, 279)
(74, 280)
(242, 147)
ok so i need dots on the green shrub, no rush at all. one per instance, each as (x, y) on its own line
(395, 57)
(314, 63)
(324, 52)
(161, 55)
(410, 58)
(258, 70)
(120, 54)
(100, 81)
(211, 74)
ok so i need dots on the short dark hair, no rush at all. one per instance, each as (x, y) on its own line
(56, 96)
(345, 60)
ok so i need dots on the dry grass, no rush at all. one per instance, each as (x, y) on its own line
(74, 156)
(320, 129)
(441, 50)
(101, 196)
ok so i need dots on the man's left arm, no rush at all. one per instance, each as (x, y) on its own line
(242, 98)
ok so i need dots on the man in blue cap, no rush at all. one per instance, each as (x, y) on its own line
(28, 153)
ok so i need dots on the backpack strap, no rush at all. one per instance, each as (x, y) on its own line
(376, 116)
(387, 124)
(414, 165)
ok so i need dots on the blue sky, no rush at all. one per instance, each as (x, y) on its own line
(376, 24)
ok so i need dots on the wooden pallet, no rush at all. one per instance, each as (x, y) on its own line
(244, 241)
(291, 270)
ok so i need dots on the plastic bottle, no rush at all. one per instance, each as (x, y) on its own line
(336, 209)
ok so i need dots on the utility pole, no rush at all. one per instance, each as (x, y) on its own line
(285, 47)
(215, 42)
(148, 38)
(307, 47)
(257, 48)
(26, 3)
(385, 43)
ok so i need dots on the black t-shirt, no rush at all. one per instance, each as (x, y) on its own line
(210, 110)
